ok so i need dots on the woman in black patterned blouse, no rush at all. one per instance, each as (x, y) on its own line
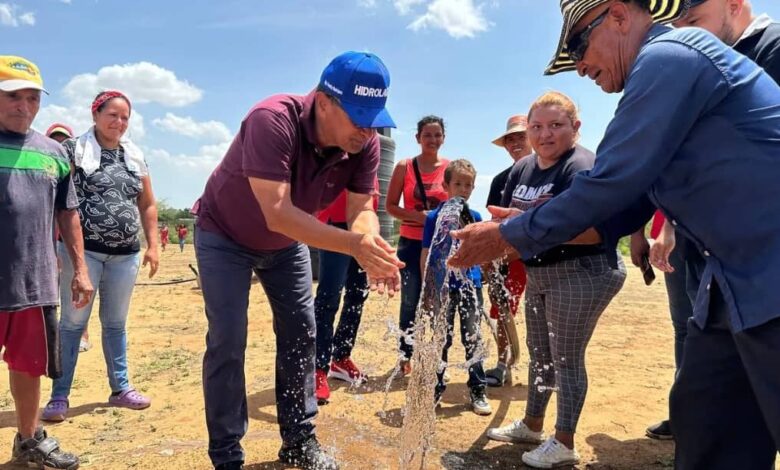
(115, 202)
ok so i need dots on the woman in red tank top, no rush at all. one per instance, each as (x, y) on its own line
(430, 136)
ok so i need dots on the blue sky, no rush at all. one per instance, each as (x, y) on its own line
(194, 68)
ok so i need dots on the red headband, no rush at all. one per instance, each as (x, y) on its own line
(106, 96)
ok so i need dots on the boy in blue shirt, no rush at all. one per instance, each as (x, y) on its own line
(464, 297)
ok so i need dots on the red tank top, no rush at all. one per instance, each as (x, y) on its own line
(434, 191)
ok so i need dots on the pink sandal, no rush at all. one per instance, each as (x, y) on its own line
(131, 399)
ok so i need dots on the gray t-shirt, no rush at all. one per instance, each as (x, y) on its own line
(529, 186)
(35, 181)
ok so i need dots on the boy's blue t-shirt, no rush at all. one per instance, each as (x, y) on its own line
(473, 272)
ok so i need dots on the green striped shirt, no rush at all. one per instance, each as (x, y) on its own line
(35, 182)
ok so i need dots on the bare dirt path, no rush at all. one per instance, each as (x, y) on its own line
(630, 368)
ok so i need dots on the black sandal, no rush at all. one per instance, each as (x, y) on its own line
(498, 376)
(42, 451)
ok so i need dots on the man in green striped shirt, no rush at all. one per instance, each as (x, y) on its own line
(35, 188)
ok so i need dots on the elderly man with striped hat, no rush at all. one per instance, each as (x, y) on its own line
(697, 134)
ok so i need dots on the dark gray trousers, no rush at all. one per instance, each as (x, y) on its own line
(225, 277)
(725, 403)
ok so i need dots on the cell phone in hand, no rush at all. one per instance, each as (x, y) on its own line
(647, 270)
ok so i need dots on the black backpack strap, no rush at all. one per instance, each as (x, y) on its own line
(420, 184)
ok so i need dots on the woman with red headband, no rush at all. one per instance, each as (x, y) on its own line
(115, 201)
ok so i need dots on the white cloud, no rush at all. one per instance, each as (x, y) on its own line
(180, 178)
(143, 82)
(203, 162)
(367, 3)
(405, 6)
(77, 117)
(459, 18)
(67, 2)
(186, 126)
(10, 16)
(27, 18)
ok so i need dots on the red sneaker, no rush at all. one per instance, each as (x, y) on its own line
(347, 371)
(406, 367)
(321, 390)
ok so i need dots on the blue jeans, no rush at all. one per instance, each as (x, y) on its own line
(113, 277)
(409, 252)
(337, 272)
(225, 277)
(680, 303)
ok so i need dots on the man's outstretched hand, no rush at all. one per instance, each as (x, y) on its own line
(481, 243)
(380, 262)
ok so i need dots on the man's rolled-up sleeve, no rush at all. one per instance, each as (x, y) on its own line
(669, 88)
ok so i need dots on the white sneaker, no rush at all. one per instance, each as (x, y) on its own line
(516, 432)
(551, 454)
(479, 403)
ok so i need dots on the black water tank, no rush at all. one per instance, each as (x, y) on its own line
(386, 164)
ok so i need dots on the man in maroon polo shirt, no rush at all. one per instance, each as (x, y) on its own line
(291, 158)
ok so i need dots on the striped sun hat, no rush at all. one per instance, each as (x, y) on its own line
(663, 11)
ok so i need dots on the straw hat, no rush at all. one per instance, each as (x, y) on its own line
(518, 123)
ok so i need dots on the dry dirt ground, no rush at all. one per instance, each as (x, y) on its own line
(630, 366)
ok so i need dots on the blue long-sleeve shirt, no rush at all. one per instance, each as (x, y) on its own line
(698, 132)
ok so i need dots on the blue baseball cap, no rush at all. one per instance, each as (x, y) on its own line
(360, 81)
(696, 2)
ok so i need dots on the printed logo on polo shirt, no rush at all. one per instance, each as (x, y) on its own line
(361, 90)
(526, 197)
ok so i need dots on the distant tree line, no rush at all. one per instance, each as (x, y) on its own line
(172, 216)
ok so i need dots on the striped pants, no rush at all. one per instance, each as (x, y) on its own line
(563, 304)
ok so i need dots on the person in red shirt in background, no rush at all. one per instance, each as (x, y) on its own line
(515, 142)
(338, 272)
(181, 231)
(164, 234)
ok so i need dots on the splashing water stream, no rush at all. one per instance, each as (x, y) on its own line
(428, 336)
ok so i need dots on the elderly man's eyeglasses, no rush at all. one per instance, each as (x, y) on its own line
(578, 44)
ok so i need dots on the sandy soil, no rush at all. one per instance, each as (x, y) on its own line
(630, 368)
